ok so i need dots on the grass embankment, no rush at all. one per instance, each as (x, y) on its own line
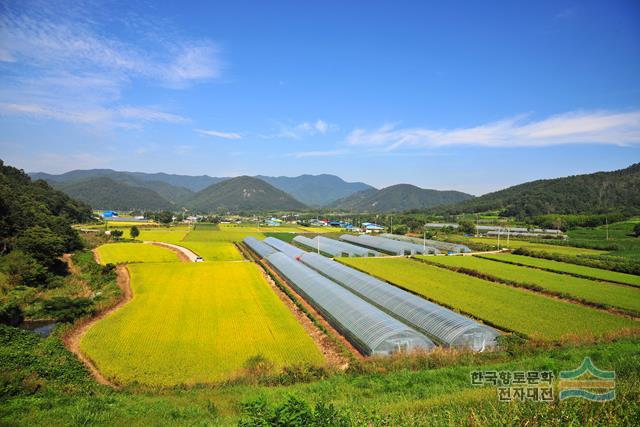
(196, 323)
(566, 268)
(121, 253)
(606, 294)
(506, 307)
(44, 385)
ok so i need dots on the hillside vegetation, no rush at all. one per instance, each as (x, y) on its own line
(243, 193)
(398, 198)
(591, 193)
(105, 193)
(35, 230)
(315, 190)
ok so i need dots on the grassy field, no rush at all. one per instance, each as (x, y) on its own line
(620, 296)
(619, 235)
(564, 267)
(196, 323)
(433, 391)
(504, 306)
(120, 253)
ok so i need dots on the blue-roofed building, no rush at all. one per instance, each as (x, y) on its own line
(370, 227)
(108, 214)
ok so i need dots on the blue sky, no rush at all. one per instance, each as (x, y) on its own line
(472, 96)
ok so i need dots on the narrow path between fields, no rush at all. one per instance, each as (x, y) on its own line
(186, 255)
(72, 340)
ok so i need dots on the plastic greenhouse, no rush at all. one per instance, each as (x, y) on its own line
(259, 247)
(334, 247)
(284, 247)
(388, 245)
(369, 329)
(443, 246)
(443, 325)
(352, 250)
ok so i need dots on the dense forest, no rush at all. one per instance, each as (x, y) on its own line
(599, 192)
(398, 198)
(105, 193)
(35, 230)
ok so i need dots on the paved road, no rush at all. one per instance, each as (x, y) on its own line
(188, 253)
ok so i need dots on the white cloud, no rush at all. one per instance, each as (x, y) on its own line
(68, 64)
(125, 117)
(297, 131)
(581, 127)
(219, 134)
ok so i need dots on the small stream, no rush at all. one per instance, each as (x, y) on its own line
(40, 327)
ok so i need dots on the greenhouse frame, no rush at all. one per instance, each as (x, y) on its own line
(388, 245)
(259, 247)
(284, 247)
(369, 329)
(441, 324)
(334, 247)
(443, 246)
(352, 250)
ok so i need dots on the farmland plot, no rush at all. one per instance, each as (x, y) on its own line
(120, 253)
(196, 323)
(534, 246)
(504, 306)
(610, 294)
(565, 267)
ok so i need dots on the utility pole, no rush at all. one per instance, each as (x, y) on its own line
(424, 238)
(606, 220)
(477, 224)
(318, 240)
(499, 237)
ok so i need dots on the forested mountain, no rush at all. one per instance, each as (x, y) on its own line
(192, 183)
(315, 190)
(35, 229)
(591, 193)
(398, 198)
(243, 193)
(105, 193)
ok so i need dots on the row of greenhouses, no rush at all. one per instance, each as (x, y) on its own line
(390, 246)
(369, 329)
(441, 246)
(394, 320)
(334, 248)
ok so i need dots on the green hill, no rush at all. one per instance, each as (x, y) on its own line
(243, 193)
(592, 193)
(315, 190)
(105, 193)
(398, 198)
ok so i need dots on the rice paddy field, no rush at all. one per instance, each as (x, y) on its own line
(192, 323)
(564, 267)
(598, 292)
(120, 253)
(506, 307)
(214, 250)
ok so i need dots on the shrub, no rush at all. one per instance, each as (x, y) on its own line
(65, 309)
(294, 412)
(11, 314)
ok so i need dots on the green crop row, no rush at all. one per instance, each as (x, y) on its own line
(590, 291)
(567, 268)
(503, 306)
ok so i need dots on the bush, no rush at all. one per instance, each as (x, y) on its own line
(293, 412)
(65, 309)
(636, 230)
(11, 314)
(24, 270)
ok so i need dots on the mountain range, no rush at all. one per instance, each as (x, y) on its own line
(106, 188)
(398, 198)
(598, 192)
(110, 189)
